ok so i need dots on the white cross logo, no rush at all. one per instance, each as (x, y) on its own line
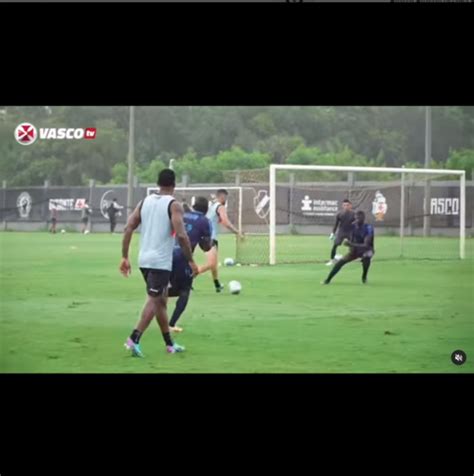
(306, 204)
(26, 134)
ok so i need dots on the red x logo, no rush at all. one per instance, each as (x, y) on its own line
(26, 134)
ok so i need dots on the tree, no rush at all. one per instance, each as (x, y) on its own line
(463, 160)
(150, 174)
(211, 168)
(391, 136)
(119, 173)
(280, 147)
(263, 124)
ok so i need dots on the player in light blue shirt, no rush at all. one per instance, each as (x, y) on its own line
(217, 215)
(161, 220)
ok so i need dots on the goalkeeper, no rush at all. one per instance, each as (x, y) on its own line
(342, 228)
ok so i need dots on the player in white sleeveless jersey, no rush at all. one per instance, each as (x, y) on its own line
(161, 219)
(217, 215)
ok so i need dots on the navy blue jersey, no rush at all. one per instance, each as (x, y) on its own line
(359, 234)
(197, 227)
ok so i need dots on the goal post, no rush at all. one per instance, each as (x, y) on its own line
(314, 183)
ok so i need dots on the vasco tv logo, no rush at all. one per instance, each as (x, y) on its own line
(27, 134)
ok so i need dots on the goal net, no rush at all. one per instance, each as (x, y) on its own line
(416, 213)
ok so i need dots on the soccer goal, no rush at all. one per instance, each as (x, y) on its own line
(416, 213)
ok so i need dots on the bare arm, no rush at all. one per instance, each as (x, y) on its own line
(224, 219)
(132, 224)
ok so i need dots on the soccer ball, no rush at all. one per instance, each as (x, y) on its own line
(229, 262)
(338, 257)
(235, 287)
(86, 232)
(63, 231)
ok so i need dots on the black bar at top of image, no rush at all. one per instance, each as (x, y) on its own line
(202, 1)
(240, 1)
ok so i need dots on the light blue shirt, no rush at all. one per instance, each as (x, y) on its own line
(156, 236)
(214, 219)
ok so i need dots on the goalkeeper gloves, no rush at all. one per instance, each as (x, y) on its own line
(331, 236)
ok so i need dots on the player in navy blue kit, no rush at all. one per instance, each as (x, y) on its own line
(361, 246)
(199, 233)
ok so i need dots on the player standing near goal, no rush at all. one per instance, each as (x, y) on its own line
(342, 228)
(198, 228)
(54, 217)
(361, 244)
(86, 212)
(217, 214)
(161, 219)
(112, 211)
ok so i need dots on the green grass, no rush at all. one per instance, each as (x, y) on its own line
(65, 308)
(308, 248)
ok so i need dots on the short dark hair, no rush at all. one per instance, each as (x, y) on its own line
(201, 204)
(166, 178)
(222, 191)
(346, 200)
(360, 213)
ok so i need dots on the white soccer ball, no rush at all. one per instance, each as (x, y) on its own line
(63, 231)
(86, 232)
(235, 287)
(229, 262)
(338, 257)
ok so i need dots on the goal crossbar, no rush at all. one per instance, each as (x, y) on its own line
(348, 168)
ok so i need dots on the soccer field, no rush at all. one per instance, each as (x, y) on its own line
(65, 308)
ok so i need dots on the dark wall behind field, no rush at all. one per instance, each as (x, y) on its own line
(304, 204)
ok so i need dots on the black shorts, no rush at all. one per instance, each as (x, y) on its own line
(178, 287)
(53, 221)
(156, 280)
(340, 237)
(85, 220)
(181, 280)
(215, 243)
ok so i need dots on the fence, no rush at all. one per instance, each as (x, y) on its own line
(29, 208)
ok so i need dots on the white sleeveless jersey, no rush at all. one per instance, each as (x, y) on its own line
(214, 219)
(157, 237)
